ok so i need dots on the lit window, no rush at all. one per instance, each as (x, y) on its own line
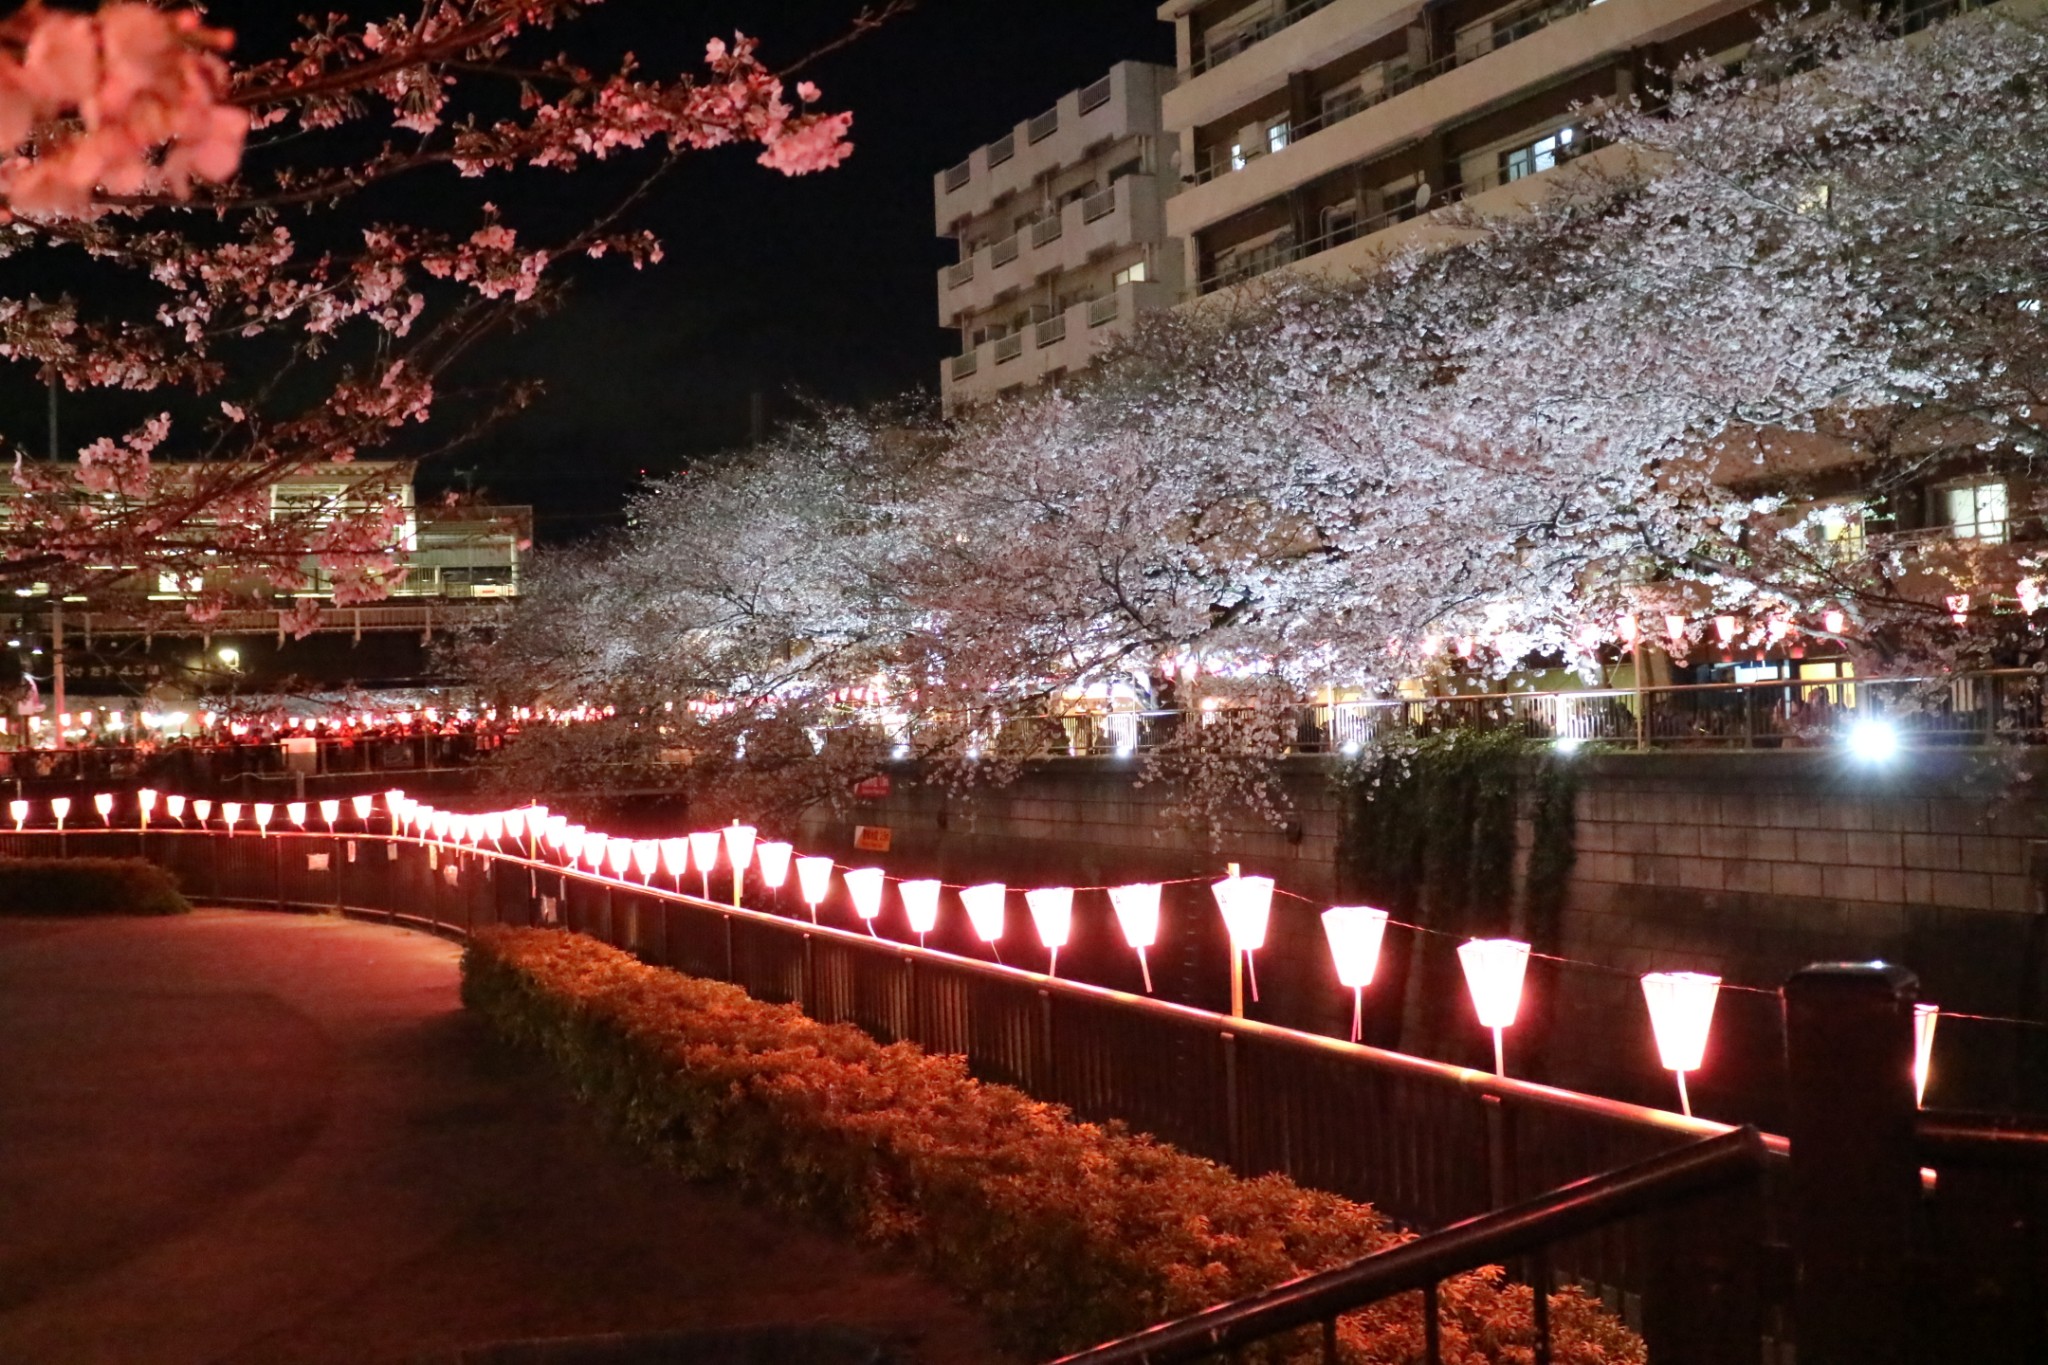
(1276, 137)
(1975, 510)
(1540, 155)
(1237, 156)
(1131, 274)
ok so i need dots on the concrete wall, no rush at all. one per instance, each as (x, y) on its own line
(1748, 865)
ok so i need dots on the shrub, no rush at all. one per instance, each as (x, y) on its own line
(1063, 1233)
(87, 886)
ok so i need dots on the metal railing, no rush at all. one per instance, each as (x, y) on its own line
(1043, 126)
(1009, 347)
(1214, 53)
(958, 176)
(1103, 311)
(965, 364)
(1052, 331)
(1094, 96)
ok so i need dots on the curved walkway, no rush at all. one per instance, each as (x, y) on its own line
(238, 1137)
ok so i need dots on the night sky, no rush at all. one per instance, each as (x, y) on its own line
(822, 285)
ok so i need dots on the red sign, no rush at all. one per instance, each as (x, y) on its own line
(872, 788)
(871, 838)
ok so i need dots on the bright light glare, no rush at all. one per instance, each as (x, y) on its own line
(1569, 744)
(1873, 741)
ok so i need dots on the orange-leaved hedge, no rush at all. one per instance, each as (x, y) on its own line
(1062, 1233)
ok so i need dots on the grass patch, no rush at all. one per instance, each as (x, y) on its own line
(87, 886)
(1062, 1233)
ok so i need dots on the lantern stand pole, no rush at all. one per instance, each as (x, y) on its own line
(1054, 969)
(739, 876)
(1684, 1100)
(1357, 1013)
(1146, 970)
(1236, 971)
(705, 872)
(1500, 1066)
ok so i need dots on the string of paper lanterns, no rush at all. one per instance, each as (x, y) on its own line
(1680, 1004)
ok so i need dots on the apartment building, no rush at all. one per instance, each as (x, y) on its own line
(1318, 134)
(1061, 226)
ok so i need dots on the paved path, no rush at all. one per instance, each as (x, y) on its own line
(238, 1137)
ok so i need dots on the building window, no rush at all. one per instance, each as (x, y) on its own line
(1131, 274)
(1540, 155)
(1237, 156)
(1340, 223)
(1975, 509)
(1837, 527)
(1276, 136)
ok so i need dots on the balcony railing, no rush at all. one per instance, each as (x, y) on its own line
(966, 364)
(1046, 231)
(959, 273)
(1004, 252)
(1009, 348)
(1093, 97)
(1216, 51)
(1043, 127)
(1052, 331)
(1098, 206)
(1002, 149)
(958, 176)
(1102, 311)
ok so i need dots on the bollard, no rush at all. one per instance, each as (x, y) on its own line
(1855, 1179)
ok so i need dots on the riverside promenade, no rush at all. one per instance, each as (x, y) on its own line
(237, 1137)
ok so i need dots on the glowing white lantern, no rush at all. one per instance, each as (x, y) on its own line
(1137, 910)
(739, 854)
(1674, 630)
(490, 825)
(1836, 621)
(864, 885)
(60, 807)
(646, 857)
(201, 809)
(19, 810)
(264, 810)
(675, 859)
(361, 805)
(1355, 933)
(572, 844)
(1925, 1018)
(704, 853)
(1681, 1015)
(330, 811)
(593, 849)
(1247, 905)
(174, 806)
(618, 855)
(395, 804)
(814, 882)
(439, 822)
(772, 858)
(1052, 910)
(985, 904)
(920, 905)
(296, 813)
(104, 804)
(1494, 968)
(230, 814)
(145, 802)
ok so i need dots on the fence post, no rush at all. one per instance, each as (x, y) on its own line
(1233, 1116)
(1855, 1174)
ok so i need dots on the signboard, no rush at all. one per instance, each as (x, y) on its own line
(872, 788)
(871, 838)
(316, 862)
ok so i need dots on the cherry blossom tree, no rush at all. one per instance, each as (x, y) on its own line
(255, 261)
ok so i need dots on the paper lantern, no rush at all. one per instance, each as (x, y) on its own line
(1137, 911)
(1052, 910)
(593, 850)
(646, 857)
(296, 813)
(572, 844)
(1247, 905)
(145, 802)
(1355, 933)
(1835, 621)
(330, 811)
(985, 905)
(1681, 1014)
(230, 814)
(772, 858)
(864, 884)
(174, 806)
(201, 809)
(1628, 630)
(264, 810)
(675, 858)
(2029, 592)
(618, 856)
(814, 882)
(920, 905)
(491, 825)
(1494, 968)
(104, 804)
(1674, 630)
(704, 853)
(361, 805)
(739, 854)
(19, 810)
(1925, 1018)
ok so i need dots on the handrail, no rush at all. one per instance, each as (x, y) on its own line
(1951, 1139)
(1688, 1172)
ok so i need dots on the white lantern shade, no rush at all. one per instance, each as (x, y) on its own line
(60, 806)
(201, 809)
(773, 857)
(231, 813)
(675, 856)
(572, 843)
(646, 856)
(618, 855)
(146, 798)
(864, 884)
(174, 806)
(330, 811)
(19, 810)
(593, 850)
(104, 804)
(1247, 904)
(296, 812)
(1681, 1015)
(814, 879)
(361, 805)
(1355, 933)
(1137, 911)
(264, 810)
(1925, 1017)
(920, 904)
(704, 849)
(1494, 968)
(985, 909)
(1052, 910)
(491, 825)
(739, 846)
(511, 824)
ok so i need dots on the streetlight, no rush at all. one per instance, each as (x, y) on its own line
(1681, 1014)
(1355, 933)
(1494, 968)
(1137, 910)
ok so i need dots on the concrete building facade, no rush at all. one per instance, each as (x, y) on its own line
(1061, 226)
